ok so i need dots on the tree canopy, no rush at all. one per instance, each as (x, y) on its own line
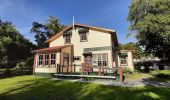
(132, 46)
(45, 31)
(150, 20)
(13, 46)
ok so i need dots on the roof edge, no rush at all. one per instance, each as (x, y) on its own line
(83, 25)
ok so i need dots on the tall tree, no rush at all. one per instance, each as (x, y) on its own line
(45, 31)
(150, 20)
(132, 46)
(13, 46)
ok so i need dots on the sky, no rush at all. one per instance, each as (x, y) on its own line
(110, 14)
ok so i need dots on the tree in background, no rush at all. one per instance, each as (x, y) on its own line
(150, 20)
(137, 54)
(13, 46)
(45, 31)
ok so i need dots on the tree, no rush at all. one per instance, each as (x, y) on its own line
(13, 46)
(150, 20)
(132, 46)
(45, 31)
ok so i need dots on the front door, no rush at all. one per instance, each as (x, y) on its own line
(65, 68)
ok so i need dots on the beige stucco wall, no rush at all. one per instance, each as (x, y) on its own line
(95, 39)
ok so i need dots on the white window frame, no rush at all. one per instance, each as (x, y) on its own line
(67, 39)
(46, 61)
(83, 36)
(122, 58)
(96, 59)
(40, 65)
(51, 59)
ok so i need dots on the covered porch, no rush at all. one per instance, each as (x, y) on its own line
(49, 60)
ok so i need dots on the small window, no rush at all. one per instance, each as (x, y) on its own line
(67, 39)
(123, 60)
(40, 60)
(83, 36)
(53, 59)
(77, 58)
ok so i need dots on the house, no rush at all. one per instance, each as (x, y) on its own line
(79, 48)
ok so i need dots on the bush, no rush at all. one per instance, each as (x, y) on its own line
(162, 74)
(127, 70)
(145, 64)
(25, 65)
(7, 72)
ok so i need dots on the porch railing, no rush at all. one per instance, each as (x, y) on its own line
(89, 70)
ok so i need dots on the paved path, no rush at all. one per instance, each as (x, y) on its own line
(126, 83)
(146, 82)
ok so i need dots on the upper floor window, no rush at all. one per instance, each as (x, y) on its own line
(83, 32)
(67, 39)
(83, 36)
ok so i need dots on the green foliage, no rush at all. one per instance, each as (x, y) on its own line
(45, 31)
(25, 64)
(150, 20)
(127, 70)
(13, 46)
(132, 46)
(161, 74)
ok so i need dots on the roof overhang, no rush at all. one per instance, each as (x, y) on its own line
(50, 49)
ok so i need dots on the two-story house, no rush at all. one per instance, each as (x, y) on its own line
(81, 45)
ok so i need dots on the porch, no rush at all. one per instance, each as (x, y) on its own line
(88, 72)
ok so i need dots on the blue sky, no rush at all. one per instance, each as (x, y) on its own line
(104, 13)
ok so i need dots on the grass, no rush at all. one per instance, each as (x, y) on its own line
(137, 75)
(36, 88)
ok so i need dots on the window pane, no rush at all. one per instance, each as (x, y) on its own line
(52, 56)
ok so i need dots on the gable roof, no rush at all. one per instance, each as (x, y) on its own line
(81, 25)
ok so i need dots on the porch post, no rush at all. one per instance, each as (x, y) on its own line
(121, 74)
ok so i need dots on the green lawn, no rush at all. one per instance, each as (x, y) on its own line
(34, 88)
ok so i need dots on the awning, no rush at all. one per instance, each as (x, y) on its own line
(67, 33)
(87, 54)
(50, 49)
(123, 54)
(82, 30)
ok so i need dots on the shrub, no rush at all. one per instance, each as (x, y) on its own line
(7, 72)
(162, 74)
(127, 70)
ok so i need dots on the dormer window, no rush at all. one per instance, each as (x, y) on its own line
(83, 32)
(67, 39)
(83, 37)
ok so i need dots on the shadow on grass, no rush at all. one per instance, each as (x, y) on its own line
(15, 73)
(45, 89)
